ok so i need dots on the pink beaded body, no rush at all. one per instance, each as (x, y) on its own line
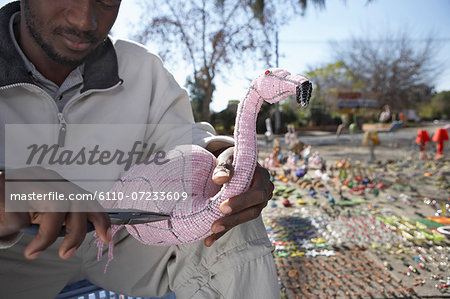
(190, 169)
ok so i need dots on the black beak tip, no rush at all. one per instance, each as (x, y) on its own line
(304, 91)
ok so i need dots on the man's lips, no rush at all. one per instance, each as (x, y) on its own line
(75, 43)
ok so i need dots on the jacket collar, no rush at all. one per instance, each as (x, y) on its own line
(100, 70)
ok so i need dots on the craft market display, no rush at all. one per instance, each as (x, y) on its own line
(350, 229)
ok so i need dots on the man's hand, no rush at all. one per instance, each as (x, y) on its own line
(244, 207)
(50, 216)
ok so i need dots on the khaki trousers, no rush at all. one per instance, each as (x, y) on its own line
(238, 265)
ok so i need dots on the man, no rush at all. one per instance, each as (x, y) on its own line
(58, 66)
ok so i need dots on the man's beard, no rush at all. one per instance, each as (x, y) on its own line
(33, 23)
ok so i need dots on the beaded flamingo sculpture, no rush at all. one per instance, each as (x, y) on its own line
(190, 169)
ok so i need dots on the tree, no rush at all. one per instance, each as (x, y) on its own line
(396, 68)
(212, 35)
(330, 79)
(438, 108)
(197, 89)
(441, 104)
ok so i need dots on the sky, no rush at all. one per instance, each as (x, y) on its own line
(304, 41)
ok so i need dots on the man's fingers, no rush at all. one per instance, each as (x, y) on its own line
(244, 201)
(224, 169)
(238, 218)
(222, 174)
(102, 225)
(244, 207)
(49, 227)
(261, 176)
(221, 226)
(261, 191)
(211, 239)
(76, 227)
(101, 221)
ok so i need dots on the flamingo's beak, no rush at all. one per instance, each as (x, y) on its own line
(303, 93)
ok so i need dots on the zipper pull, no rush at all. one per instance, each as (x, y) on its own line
(62, 130)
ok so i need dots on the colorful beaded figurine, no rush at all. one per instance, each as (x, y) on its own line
(190, 169)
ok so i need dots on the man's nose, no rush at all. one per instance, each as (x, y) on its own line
(82, 15)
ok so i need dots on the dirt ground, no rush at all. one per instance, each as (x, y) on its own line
(360, 268)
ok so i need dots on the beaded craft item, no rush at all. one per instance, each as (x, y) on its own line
(189, 171)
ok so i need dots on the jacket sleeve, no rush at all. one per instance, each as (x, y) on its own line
(6, 242)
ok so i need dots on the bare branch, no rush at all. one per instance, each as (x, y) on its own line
(212, 35)
(393, 67)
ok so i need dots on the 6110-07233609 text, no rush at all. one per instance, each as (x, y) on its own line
(138, 195)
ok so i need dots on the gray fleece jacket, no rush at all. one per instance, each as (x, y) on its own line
(127, 96)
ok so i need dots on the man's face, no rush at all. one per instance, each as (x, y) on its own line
(69, 30)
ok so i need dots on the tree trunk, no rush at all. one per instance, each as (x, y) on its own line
(206, 101)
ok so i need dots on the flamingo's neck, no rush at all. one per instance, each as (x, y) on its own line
(245, 150)
(245, 124)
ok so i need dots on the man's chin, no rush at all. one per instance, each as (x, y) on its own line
(62, 59)
(66, 60)
(69, 62)
(71, 58)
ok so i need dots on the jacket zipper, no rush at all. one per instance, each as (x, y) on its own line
(62, 130)
(61, 120)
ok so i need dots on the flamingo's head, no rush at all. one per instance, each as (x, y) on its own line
(277, 84)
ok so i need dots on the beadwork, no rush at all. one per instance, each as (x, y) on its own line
(190, 170)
